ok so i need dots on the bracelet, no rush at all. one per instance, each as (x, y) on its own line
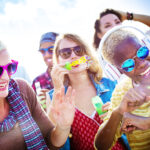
(129, 16)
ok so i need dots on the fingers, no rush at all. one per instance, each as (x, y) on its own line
(105, 106)
(103, 115)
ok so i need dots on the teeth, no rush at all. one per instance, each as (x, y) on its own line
(3, 85)
(145, 71)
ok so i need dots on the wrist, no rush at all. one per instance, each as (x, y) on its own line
(129, 16)
(118, 112)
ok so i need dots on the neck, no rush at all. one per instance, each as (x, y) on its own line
(79, 80)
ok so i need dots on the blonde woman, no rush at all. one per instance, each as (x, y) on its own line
(88, 82)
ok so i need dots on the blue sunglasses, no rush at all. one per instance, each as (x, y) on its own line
(129, 64)
(49, 50)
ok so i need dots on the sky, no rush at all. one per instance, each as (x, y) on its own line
(22, 22)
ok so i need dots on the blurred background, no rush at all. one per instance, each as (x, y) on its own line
(22, 22)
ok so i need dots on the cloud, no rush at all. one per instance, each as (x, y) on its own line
(23, 23)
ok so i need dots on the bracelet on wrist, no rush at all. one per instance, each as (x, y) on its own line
(129, 16)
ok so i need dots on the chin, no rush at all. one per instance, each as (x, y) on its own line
(4, 94)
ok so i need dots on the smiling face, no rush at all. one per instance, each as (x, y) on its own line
(4, 79)
(47, 56)
(127, 49)
(65, 43)
(107, 22)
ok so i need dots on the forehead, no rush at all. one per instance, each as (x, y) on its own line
(108, 18)
(66, 43)
(126, 49)
(4, 57)
(46, 44)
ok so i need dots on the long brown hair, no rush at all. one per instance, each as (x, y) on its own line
(94, 69)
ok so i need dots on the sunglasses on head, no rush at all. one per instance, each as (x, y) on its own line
(129, 64)
(49, 50)
(11, 68)
(66, 52)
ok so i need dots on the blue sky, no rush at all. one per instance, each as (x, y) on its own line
(24, 21)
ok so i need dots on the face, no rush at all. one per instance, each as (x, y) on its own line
(4, 79)
(128, 50)
(107, 22)
(47, 56)
(65, 43)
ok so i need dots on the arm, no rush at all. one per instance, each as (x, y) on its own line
(108, 131)
(62, 113)
(136, 17)
(131, 100)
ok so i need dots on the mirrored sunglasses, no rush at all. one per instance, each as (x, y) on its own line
(129, 64)
(11, 68)
(66, 52)
(49, 50)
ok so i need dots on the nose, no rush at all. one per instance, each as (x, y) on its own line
(48, 55)
(5, 75)
(73, 55)
(139, 63)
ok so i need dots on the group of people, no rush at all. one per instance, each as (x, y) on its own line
(68, 119)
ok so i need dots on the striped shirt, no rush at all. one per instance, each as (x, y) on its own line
(138, 139)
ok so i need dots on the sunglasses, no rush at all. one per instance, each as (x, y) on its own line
(49, 50)
(11, 68)
(129, 64)
(66, 52)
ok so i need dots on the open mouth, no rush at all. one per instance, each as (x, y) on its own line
(146, 73)
(3, 86)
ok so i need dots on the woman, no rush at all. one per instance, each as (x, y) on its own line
(23, 124)
(108, 19)
(129, 57)
(87, 82)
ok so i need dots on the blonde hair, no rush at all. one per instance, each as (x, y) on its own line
(94, 69)
(114, 39)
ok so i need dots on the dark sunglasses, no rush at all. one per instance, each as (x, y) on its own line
(11, 68)
(66, 52)
(129, 64)
(49, 50)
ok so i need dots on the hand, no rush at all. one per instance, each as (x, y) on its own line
(132, 122)
(63, 108)
(132, 100)
(128, 123)
(105, 107)
(57, 75)
(42, 97)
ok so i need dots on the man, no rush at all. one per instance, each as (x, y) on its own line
(43, 83)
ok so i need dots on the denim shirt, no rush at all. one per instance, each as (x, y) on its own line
(103, 90)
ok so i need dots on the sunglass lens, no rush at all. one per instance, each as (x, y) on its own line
(42, 52)
(143, 52)
(12, 68)
(78, 51)
(50, 51)
(128, 65)
(65, 53)
(1, 71)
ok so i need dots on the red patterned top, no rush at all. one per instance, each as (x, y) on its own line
(84, 129)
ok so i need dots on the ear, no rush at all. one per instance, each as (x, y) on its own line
(99, 35)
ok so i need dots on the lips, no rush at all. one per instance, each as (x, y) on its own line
(3, 86)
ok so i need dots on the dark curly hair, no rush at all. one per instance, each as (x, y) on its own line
(97, 40)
